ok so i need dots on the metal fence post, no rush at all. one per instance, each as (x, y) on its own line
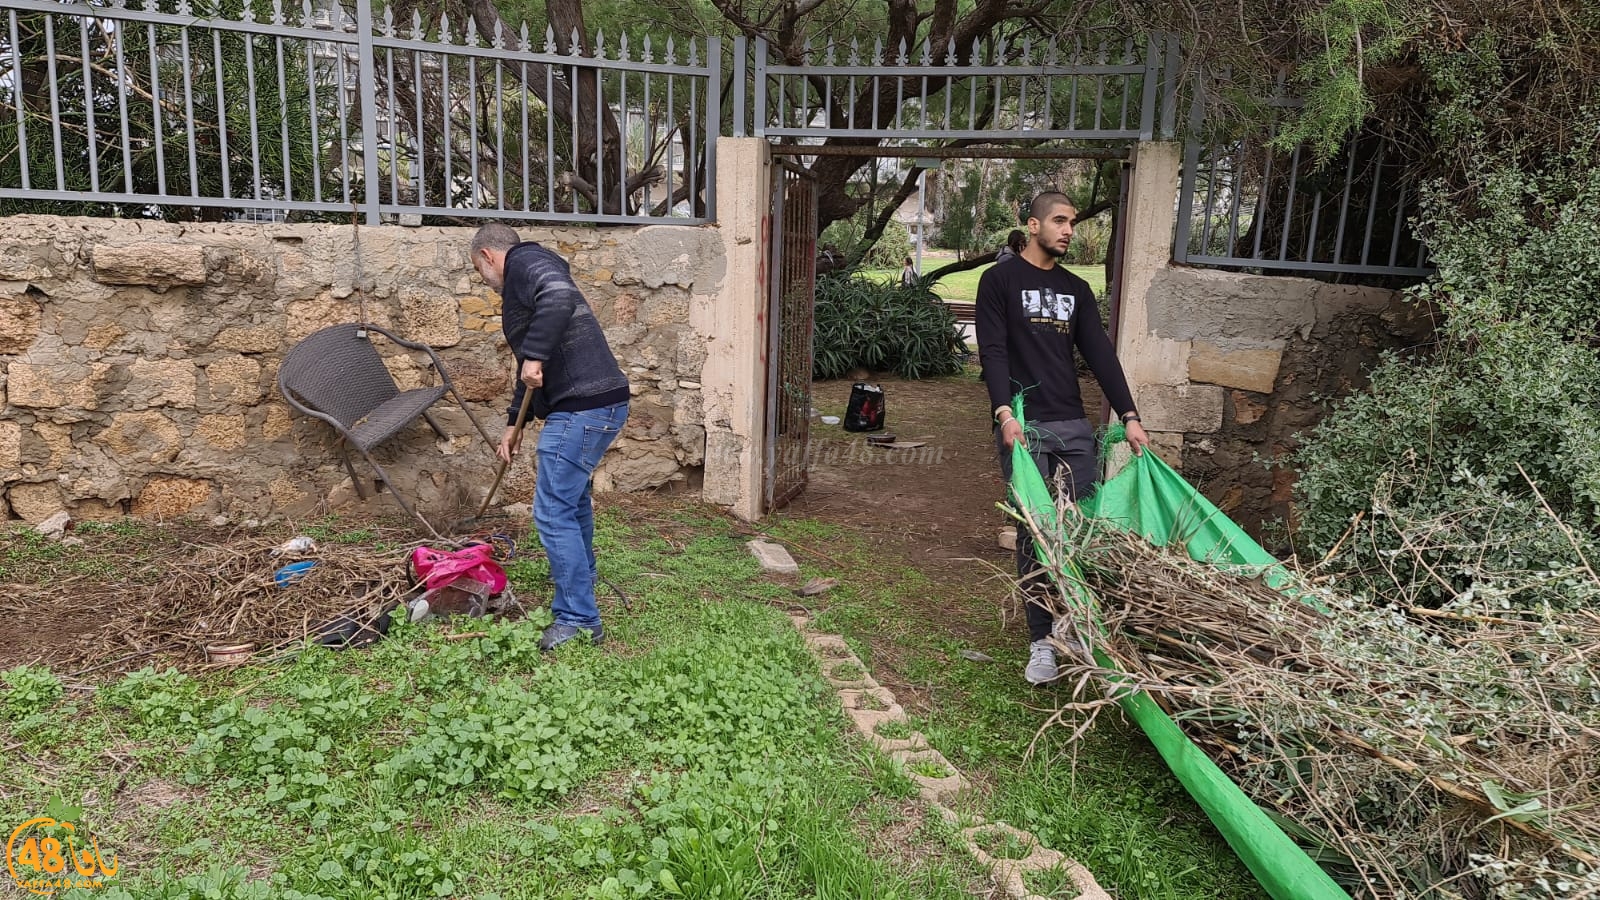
(713, 120)
(740, 55)
(760, 121)
(367, 64)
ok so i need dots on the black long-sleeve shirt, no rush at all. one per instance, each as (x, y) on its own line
(1028, 322)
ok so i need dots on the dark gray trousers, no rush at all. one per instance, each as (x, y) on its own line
(1055, 447)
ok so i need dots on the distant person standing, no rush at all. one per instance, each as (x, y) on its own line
(908, 274)
(581, 394)
(1032, 314)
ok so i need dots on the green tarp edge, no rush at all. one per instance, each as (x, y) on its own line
(1149, 499)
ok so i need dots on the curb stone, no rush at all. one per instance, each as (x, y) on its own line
(869, 705)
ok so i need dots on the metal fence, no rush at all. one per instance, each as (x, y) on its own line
(125, 105)
(989, 91)
(1248, 204)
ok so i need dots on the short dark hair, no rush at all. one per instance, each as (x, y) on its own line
(1016, 240)
(1042, 204)
(494, 236)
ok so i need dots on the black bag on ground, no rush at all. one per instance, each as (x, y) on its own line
(865, 412)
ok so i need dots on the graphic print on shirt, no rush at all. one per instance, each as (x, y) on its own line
(1046, 307)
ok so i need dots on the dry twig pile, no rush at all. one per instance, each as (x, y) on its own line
(1416, 752)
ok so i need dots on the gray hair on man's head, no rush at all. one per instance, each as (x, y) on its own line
(495, 236)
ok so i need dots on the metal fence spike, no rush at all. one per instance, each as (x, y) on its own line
(524, 44)
(277, 10)
(901, 58)
(694, 53)
(950, 53)
(877, 51)
(549, 39)
(470, 36)
(648, 55)
(575, 43)
(927, 52)
(855, 53)
(599, 44)
(388, 21)
(829, 53)
(444, 27)
(672, 53)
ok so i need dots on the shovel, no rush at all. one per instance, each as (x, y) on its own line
(500, 473)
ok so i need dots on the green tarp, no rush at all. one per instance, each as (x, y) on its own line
(1148, 498)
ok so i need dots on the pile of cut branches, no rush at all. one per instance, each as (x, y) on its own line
(1414, 752)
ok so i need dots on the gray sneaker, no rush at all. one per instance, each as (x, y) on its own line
(559, 634)
(1041, 663)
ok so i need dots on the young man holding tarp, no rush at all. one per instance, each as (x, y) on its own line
(1031, 314)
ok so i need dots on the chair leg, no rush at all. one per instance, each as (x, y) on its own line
(432, 424)
(344, 454)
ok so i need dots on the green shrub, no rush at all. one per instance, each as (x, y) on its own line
(888, 252)
(1475, 467)
(884, 327)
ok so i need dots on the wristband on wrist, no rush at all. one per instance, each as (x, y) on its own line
(1003, 409)
(1131, 417)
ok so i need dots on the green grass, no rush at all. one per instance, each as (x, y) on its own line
(698, 754)
(963, 286)
(1106, 800)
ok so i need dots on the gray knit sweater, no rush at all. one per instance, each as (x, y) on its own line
(545, 317)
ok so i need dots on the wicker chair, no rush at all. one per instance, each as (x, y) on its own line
(336, 375)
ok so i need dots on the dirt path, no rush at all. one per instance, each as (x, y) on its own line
(934, 504)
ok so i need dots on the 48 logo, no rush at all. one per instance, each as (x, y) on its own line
(45, 855)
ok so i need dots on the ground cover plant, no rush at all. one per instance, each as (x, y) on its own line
(699, 755)
(1105, 800)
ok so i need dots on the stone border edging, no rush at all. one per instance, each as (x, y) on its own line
(870, 705)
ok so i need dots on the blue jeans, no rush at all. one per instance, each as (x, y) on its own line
(570, 446)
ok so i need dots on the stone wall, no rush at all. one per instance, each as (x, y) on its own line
(138, 361)
(1253, 361)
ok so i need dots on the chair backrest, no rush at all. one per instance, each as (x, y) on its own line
(336, 372)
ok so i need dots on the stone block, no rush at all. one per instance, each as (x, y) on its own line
(235, 380)
(35, 502)
(169, 496)
(102, 336)
(61, 386)
(406, 372)
(156, 264)
(144, 436)
(432, 319)
(98, 510)
(1205, 304)
(1184, 408)
(1245, 410)
(161, 382)
(249, 338)
(222, 432)
(774, 558)
(10, 446)
(1249, 369)
(19, 322)
(479, 382)
(648, 469)
(276, 422)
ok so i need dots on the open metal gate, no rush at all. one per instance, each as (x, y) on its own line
(791, 299)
